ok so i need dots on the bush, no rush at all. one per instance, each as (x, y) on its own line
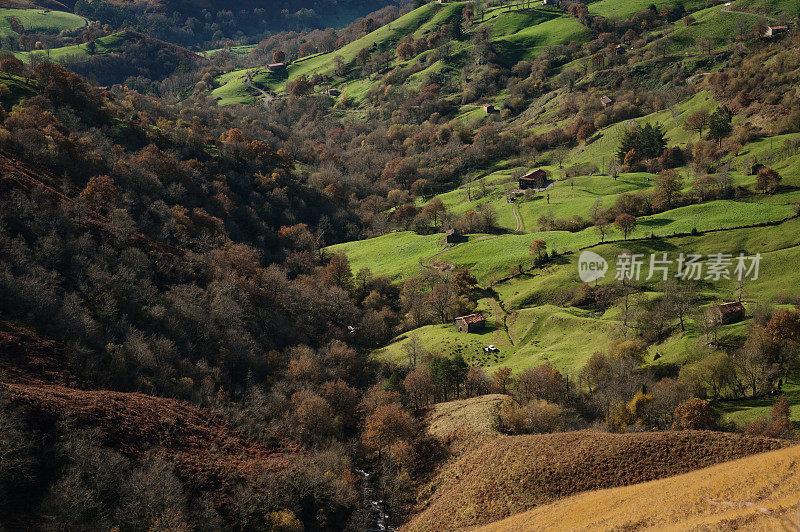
(695, 414)
(777, 425)
(618, 417)
(511, 418)
(545, 417)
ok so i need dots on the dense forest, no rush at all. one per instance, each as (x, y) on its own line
(195, 24)
(173, 254)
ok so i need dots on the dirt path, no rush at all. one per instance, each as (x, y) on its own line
(726, 10)
(267, 96)
(691, 79)
(517, 217)
(501, 334)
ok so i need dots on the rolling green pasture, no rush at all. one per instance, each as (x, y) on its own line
(398, 255)
(103, 45)
(491, 257)
(232, 89)
(39, 21)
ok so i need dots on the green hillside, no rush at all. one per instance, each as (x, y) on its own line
(517, 35)
(103, 45)
(660, 78)
(38, 21)
(231, 87)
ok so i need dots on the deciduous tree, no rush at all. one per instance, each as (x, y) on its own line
(626, 223)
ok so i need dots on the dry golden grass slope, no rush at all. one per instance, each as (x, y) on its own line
(474, 414)
(761, 492)
(495, 476)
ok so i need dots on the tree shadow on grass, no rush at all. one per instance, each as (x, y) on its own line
(655, 222)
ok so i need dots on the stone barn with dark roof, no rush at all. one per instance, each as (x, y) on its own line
(727, 313)
(470, 323)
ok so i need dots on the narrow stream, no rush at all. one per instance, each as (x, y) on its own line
(379, 520)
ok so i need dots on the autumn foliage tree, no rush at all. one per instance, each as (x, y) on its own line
(697, 121)
(669, 185)
(784, 326)
(101, 192)
(434, 209)
(386, 426)
(695, 414)
(537, 247)
(405, 51)
(300, 86)
(768, 180)
(503, 379)
(777, 425)
(464, 281)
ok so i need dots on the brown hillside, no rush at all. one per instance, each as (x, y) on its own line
(503, 475)
(205, 450)
(474, 414)
(756, 493)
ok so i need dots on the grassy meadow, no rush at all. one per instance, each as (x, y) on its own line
(39, 21)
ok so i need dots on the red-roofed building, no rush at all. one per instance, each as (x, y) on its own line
(534, 179)
(727, 313)
(470, 323)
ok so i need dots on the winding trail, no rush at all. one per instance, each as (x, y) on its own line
(267, 96)
(691, 79)
(501, 334)
(517, 217)
(725, 9)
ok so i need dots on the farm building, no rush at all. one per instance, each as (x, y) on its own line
(470, 323)
(276, 67)
(488, 108)
(333, 92)
(453, 236)
(773, 31)
(605, 101)
(727, 313)
(534, 179)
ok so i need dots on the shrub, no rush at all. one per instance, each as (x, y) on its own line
(618, 417)
(511, 417)
(777, 425)
(545, 417)
(695, 414)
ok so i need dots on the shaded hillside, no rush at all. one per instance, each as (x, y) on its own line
(17, 175)
(205, 451)
(503, 475)
(128, 226)
(124, 56)
(28, 4)
(756, 493)
(209, 23)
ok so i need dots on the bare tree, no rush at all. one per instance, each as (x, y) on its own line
(413, 348)
(560, 155)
